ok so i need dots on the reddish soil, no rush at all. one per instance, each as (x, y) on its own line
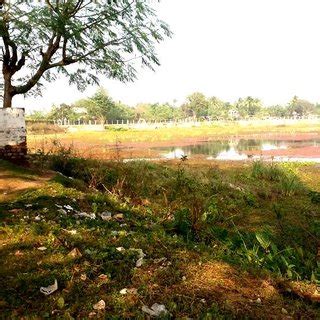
(303, 152)
(100, 150)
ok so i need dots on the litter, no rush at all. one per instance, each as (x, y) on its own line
(124, 291)
(68, 207)
(73, 232)
(120, 249)
(75, 253)
(83, 277)
(160, 260)
(42, 248)
(106, 216)
(156, 310)
(103, 279)
(50, 289)
(128, 291)
(28, 205)
(101, 305)
(58, 206)
(62, 211)
(37, 218)
(119, 216)
(91, 216)
(141, 256)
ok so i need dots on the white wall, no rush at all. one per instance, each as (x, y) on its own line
(12, 127)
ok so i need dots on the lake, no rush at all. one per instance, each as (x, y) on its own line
(243, 149)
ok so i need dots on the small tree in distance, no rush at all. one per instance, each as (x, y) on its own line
(42, 38)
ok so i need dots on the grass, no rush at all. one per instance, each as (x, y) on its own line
(112, 136)
(221, 241)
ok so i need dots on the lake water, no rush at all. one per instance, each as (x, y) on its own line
(243, 149)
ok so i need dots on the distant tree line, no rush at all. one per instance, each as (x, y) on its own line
(102, 108)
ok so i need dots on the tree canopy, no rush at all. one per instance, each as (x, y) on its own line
(42, 38)
(103, 108)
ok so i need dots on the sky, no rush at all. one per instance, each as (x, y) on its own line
(269, 49)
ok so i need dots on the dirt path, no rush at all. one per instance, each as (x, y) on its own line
(14, 181)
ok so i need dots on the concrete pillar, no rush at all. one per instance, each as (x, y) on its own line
(13, 141)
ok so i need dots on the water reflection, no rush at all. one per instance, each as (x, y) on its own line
(240, 149)
(176, 154)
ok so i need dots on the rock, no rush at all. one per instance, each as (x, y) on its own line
(101, 305)
(258, 301)
(156, 310)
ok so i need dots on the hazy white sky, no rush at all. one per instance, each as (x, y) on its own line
(268, 49)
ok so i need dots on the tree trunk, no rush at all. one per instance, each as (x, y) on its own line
(8, 95)
(7, 100)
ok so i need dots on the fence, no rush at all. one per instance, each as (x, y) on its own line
(181, 123)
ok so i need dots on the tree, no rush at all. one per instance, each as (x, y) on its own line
(301, 107)
(162, 112)
(196, 105)
(217, 109)
(42, 38)
(62, 112)
(277, 111)
(248, 107)
(101, 106)
(37, 116)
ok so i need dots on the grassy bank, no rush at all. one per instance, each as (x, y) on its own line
(112, 136)
(220, 241)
